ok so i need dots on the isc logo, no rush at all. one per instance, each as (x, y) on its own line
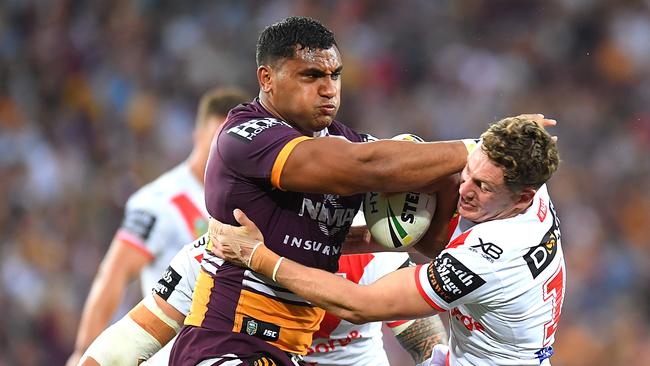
(270, 333)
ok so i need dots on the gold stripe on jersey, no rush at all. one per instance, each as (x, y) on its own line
(297, 323)
(278, 165)
(200, 299)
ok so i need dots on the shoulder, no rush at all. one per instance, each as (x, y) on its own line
(249, 122)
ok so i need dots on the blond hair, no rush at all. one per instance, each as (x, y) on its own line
(525, 150)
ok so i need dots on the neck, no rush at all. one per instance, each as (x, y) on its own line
(516, 210)
(266, 103)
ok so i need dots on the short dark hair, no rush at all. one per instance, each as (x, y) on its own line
(218, 102)
(281, 39)
(525, 150)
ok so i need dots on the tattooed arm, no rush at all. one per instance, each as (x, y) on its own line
(420, 335)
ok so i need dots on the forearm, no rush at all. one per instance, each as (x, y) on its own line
(419, 337)
(321, 288)
(149, 326)
(399, 166)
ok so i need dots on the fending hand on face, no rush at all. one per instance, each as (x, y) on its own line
(235, 244)
(540, 120)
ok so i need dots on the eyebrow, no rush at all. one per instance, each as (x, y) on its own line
(479, 181)
(318, 72)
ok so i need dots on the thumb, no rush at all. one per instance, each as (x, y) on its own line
(243, 220)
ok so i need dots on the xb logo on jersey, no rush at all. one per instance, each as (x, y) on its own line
(490, 249)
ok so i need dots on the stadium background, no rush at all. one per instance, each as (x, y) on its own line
(98, 97)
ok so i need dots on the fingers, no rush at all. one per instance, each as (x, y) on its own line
(248, 224)
(243, 220)
(539, 118)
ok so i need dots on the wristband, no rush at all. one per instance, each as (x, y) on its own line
(471, 144)
(275, 269)
(263, 261)
(250, 258)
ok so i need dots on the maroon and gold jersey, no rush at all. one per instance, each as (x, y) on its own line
(243, 171)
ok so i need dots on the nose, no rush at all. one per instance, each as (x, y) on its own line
(329, 88)
(465, 189)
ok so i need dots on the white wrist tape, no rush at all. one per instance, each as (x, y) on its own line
(150, 303)
(471, 144)
(275, 269)
(250, 258)
(123, 343)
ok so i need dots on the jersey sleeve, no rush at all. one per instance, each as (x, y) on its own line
(258, 148)
(145, 225)
(458, 275)
(176, 285)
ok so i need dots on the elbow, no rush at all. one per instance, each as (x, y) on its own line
(355, 317)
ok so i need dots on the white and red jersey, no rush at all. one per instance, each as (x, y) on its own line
(338, 342)
(502, 283)
(161, 217)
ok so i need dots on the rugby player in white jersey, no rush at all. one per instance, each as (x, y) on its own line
(159, 218)
(500, 279)
(138, 335)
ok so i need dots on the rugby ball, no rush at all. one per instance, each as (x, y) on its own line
(397, 220)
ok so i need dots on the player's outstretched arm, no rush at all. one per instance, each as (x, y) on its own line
(343, 298)
(149, 326)
(335, 165)
(120, 266)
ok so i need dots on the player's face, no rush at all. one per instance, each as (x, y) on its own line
(306, 89)
(483, 194)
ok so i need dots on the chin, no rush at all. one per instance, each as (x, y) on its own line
(322, 123)
(468, 215)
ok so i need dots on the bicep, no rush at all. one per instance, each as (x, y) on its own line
(396, 296)
(328, 164)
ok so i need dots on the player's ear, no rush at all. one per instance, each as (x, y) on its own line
(264, 78)
(527, 195)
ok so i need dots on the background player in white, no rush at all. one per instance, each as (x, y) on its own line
(158, 219)
(501, 278)
(139, 334)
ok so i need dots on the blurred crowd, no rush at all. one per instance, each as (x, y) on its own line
(98, 97)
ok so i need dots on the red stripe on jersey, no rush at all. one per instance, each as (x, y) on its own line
(134, 242)
(447, 361)
(352, 266)
(453, 224)
(422, 292)
(396, 323)
(191, 214)
(460, 240)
